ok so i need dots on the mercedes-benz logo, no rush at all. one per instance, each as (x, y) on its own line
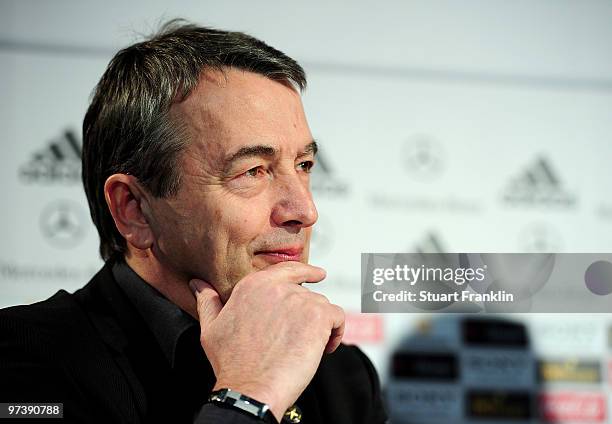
(423, 157)
(540, 237)
(62, 223)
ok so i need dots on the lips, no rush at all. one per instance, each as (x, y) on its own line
(281, 254)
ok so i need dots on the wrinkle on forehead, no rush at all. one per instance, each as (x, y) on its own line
(233, 108)
(236, 91)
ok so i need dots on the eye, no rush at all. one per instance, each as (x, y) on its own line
(306, 166)
(254, 172)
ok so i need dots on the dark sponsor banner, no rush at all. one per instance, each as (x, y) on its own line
(508, 368)
(493, 333)
(504, 405)
(572, 407)
(426, 366)
(570, 371)
(411, 402)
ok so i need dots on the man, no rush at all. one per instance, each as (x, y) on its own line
(196, 163)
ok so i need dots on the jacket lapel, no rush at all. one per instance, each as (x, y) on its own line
(115, 320)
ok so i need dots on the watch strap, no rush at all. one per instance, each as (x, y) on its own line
(229, 398)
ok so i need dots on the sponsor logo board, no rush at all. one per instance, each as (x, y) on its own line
(500, 368)
(425, 366)
(502, 405)
(411, 402)
(493, 333)
(363, 328)
(569, 371)
(576, 407)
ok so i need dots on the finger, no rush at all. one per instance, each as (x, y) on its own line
(337, 332)
(208, 301)
(295, 272)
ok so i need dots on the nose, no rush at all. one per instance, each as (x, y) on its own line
(293, 207)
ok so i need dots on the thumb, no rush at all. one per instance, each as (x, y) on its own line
(208, 302)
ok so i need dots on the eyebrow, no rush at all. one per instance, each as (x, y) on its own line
(311, 149)
(250, 151)
(262, 150)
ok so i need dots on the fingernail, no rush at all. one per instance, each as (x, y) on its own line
(196, 286)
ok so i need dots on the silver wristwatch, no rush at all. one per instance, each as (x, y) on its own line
(231, 399)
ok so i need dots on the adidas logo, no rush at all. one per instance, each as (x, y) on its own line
(60, 161)
(323, 182)
(430, 244)
(539, 184)
(433, 251)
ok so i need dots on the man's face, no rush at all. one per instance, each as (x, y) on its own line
(244, 201)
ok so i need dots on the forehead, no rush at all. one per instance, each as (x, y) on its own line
(232, 109)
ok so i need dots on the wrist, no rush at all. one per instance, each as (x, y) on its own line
(258, 392)
(234, 400)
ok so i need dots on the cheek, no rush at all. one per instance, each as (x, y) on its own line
(243, 225)
(308, 232)
(171, 229)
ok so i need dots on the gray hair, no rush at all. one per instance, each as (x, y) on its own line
(128, 128)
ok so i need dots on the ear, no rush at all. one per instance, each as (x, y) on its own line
(126, 201)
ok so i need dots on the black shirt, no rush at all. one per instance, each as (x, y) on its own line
(177, 334)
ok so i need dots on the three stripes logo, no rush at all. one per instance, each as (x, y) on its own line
(323, 181)
(432, 253)
(430, 244)
(59, 162)
(539, 184)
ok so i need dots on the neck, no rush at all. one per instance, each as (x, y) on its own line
(174, 287)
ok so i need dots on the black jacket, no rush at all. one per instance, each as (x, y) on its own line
(92, 351)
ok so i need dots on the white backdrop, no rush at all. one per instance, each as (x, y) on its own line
(443, 125)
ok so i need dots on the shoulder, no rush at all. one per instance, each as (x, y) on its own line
(347, 380)
(349, 362)
(64, 320)
(33, 340)
(59, 329)
(51, 352)
(44, 334)
(43, 322)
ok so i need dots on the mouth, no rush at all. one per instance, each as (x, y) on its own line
(281, 254)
